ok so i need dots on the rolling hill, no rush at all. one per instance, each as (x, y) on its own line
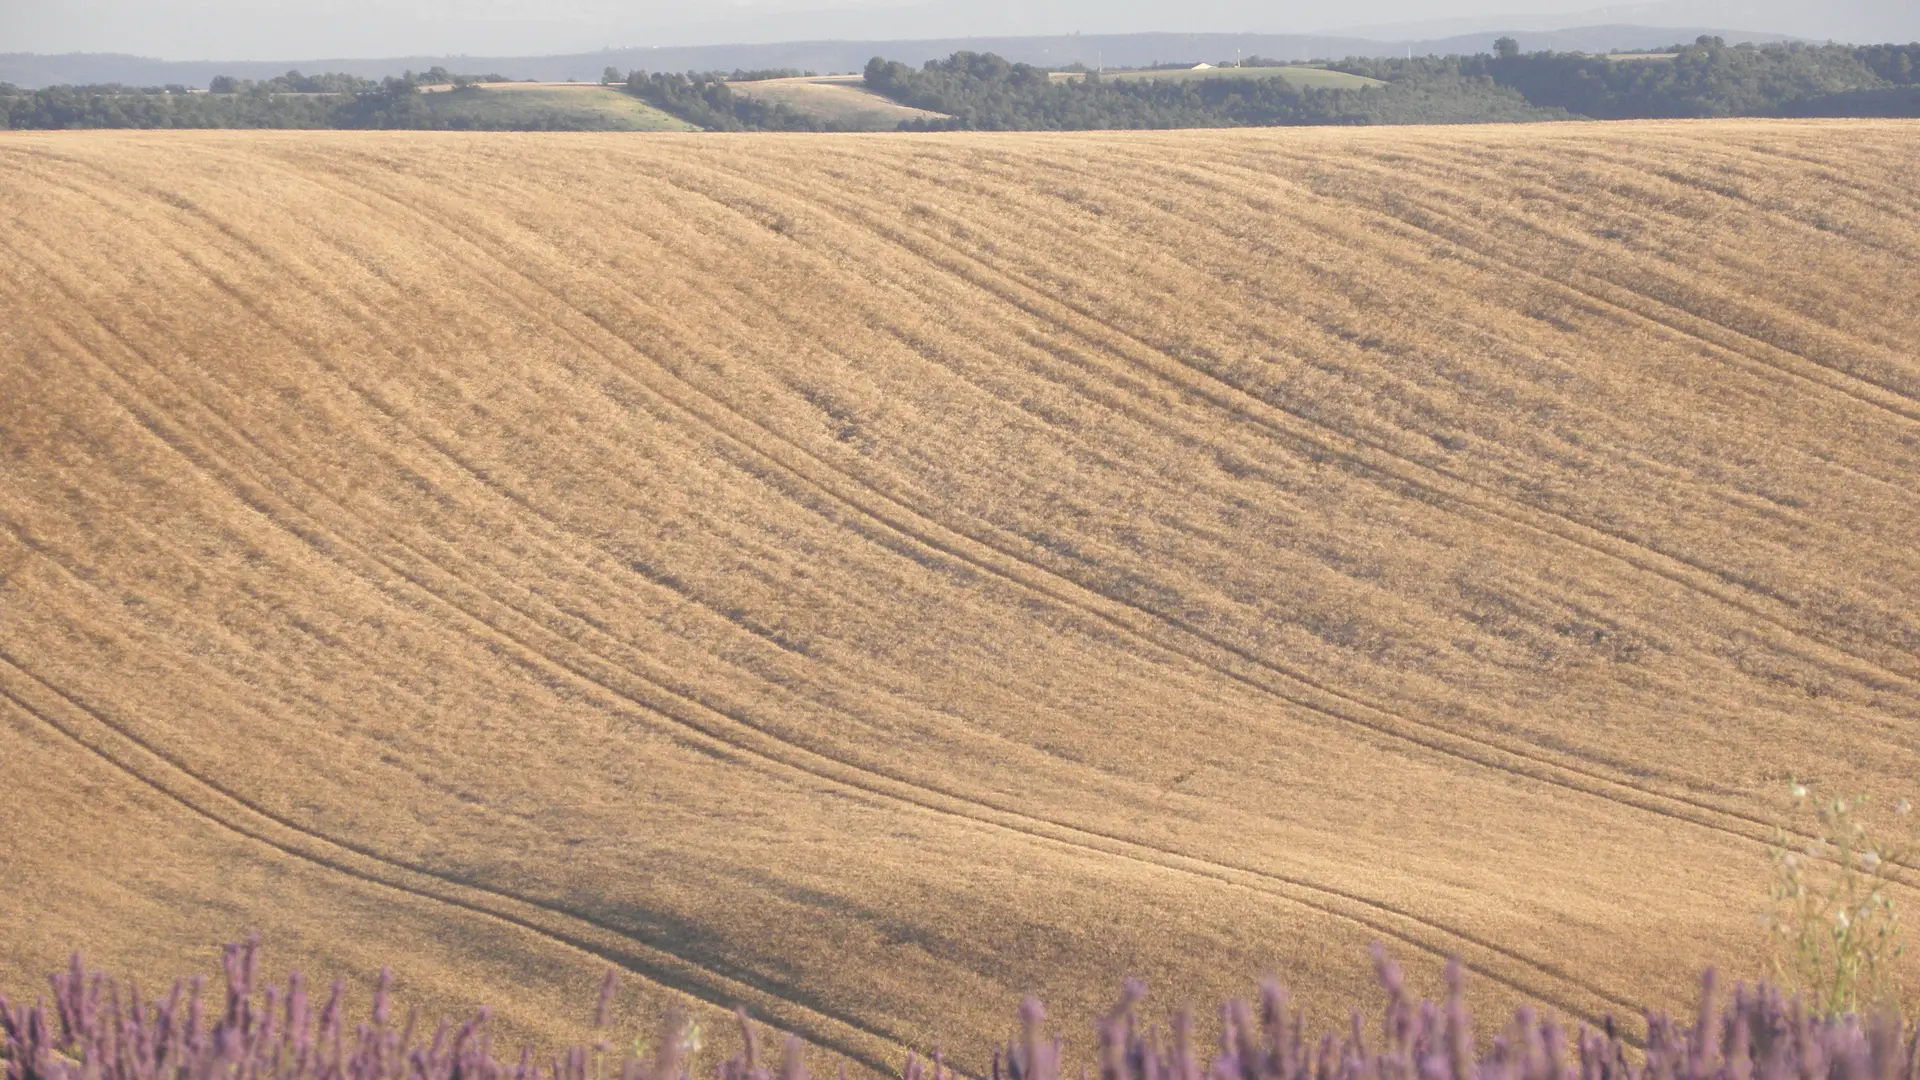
(870, 578)
(546, 106)
(841, 100)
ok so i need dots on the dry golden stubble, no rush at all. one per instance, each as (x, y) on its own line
(876, 578)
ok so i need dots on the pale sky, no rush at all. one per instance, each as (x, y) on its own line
(296, 29)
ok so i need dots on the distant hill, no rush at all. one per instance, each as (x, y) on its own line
(828, 57)
(1842, 20)
(1854, 21)
(1592, 39)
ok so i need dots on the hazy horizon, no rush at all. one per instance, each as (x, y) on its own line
(273, 29)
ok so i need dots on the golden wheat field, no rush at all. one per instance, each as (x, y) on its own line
(870, 579)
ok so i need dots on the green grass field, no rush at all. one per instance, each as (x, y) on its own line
(1299, 75)
(553, 106)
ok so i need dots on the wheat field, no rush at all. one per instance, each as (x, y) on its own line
(873, 578)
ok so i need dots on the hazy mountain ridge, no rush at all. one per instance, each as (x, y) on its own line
(1857, 21)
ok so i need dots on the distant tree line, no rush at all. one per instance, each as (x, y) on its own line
(986, 92)
(982, 91)
(293, 83)
(124, 107)
(293, 100)
(393, 103)
(1707, 78)
(763, 74)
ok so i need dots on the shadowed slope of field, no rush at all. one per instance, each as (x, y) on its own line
(873, 578)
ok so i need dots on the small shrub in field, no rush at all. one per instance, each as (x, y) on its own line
(96, 1033)
(1835, 927)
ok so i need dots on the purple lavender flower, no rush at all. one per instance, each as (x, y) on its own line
(94, 1032)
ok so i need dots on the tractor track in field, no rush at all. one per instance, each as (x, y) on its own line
(1400, 727)
(1417, 732)
(711, 472)
(230, 810)
(773, 749)
(1447, 226)
(1757, 829)
(1601, 546)
(1344, 445)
